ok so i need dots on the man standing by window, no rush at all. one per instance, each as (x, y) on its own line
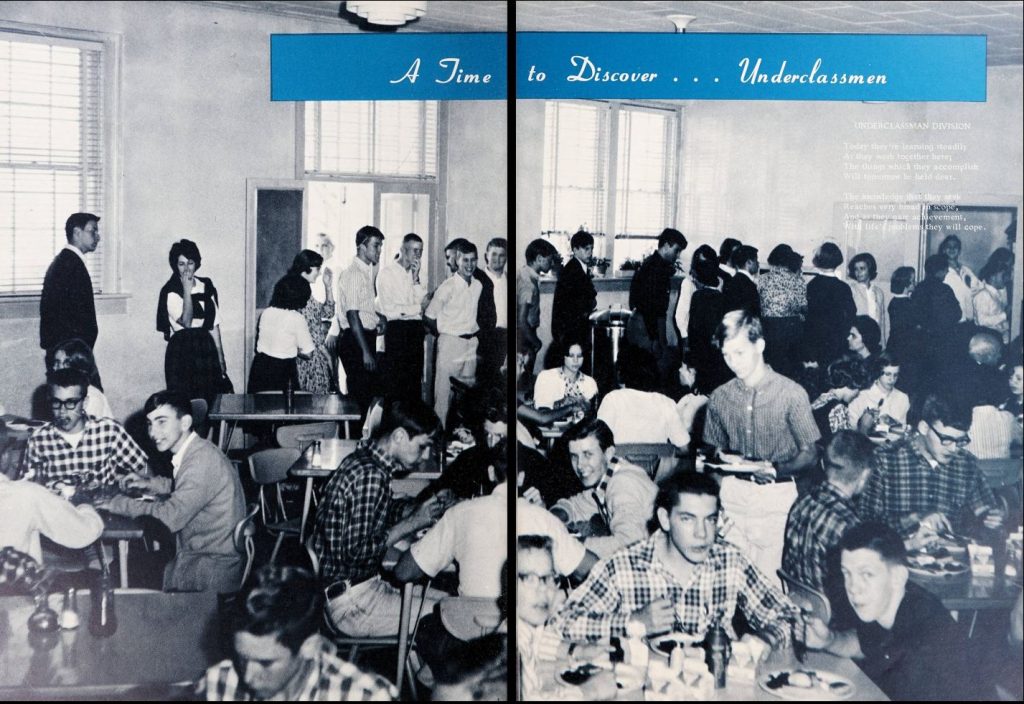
(401, 298)
(66, 308)
(575, 298)
(358, 319)
(648, 299)
(494, 342)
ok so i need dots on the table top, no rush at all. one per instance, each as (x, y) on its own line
(970, 592)
(332, 452)
(153, 644)
(271, 407)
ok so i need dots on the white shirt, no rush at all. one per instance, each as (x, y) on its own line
(355, 292)
(566, 550)
(992, 432)
(474, 534)
(686, 290)
(549, 388)
(398, 298)
(175, 306)
(96, 404)
(641, 416)
(282, 333)
(30, 510)
(176, 458)
(896, 404)
(990, 309)
(454, 306)
(500, 282)
(964, 283)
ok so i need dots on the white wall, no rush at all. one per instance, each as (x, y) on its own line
(196, 123)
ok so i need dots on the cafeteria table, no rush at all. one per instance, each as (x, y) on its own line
(332, 452)
(230, 409)
(154, 649)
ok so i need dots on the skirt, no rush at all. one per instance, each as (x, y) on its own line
(272, 374)
(191, 365)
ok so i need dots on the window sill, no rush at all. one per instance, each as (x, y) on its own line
(27, 307)
(605, 283)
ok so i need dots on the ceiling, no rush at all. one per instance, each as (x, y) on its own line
(441, 16)
(1001, 20)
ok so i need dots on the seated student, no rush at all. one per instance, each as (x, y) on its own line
(278, 652)
(539, 645)
(466, 476)
(617, 500)
(474, 671)
(571, 559)
(359, 519)
(74, 353)
(566, 385)
(680, 579)
(846, 377)
(639, 413)
(929, 480)
(76, 447)
(882, 401)
(818, 520)
(203, 501)
(30, 510)
(905, 640)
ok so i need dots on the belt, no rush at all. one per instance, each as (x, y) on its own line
(468, 336)
(336, 589)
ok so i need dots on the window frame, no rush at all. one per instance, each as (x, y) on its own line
(110, 296)
(611, 164)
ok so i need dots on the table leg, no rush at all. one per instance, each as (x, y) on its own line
(306, 501)
(222, 435)
(403, 631)
(122, 558)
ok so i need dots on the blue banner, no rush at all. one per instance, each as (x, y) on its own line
(707, 66)
(465, 66)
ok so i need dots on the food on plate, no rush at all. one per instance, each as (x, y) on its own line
(579, 674)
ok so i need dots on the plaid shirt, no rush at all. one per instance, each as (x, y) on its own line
(816, 523)
(329, 679)
(633, 577)
(355, 515)
(904, 482)
(105, 452)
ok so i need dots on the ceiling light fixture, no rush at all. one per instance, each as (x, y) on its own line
(681, 22)
(386, 12)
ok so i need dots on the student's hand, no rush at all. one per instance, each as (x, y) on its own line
(993, 518)
(445, 499)
(427, 512)
(920, 540)
(370, 361)
(936, 523)
(817, 634)
(133, 480)
(532, 495)
(187, 280)
(658, 617)
(331, 343)
(596, 653)
(600, 687)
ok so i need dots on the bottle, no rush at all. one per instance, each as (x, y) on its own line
(103, 618)
(639, 653)
(716, 646)
(317, 454)
(69, 618)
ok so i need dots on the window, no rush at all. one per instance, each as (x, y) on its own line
(52, 108)
(609, 167)
(384, 138)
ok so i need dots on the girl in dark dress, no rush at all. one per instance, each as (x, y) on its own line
(707, 306)
(830, 309)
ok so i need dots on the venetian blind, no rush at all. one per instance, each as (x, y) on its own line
(363, 137)
(51, 152)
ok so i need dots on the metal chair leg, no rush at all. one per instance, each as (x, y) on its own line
(277, 546)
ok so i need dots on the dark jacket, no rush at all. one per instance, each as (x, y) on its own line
(741, 293)
(575, 299)
(486, 313)
(649, 292)
(66, 308)
(830, 315)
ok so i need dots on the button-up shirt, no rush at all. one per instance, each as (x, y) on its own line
(816, 523)
(905, 482)
(964, 283)
(355, 292)
(771, 421)
(104, 452)
(398, 298)
(356, 513)
(454, 306)
(633, 577)
(500, 296)
(328, 679)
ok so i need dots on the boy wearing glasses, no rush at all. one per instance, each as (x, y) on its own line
(78, 448)
(930, 481)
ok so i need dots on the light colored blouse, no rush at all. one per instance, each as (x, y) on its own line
(283, 333)
(990, 310)
(175, 305)
(871, 302)
(552, 386)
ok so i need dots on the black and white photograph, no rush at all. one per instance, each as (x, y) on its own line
(252, 377)
(769, 374)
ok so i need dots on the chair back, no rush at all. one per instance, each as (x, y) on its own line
(809, 599)
(300, 435)
(648, 455)
(271, 466)
(200, 409)
(242, 537)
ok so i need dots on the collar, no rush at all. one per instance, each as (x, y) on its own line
(380, 457)
(769, 374)
(727, 269)
(72, 248)
(747, 274)
(835, 490)
(180, 454)
(362, 265)
(916, 446)
(832, 273)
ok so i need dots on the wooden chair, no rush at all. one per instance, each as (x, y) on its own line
(809, 599)
(649, 456)
(270, 468)
(242, 536)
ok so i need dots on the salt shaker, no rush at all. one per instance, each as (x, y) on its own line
(69, 618)
(317, 454)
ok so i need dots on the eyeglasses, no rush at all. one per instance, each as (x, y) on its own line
(949, 440)
(67, 404)
(533, 579)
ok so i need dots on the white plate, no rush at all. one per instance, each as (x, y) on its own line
(821, 691)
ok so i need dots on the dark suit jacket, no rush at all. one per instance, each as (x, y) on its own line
(740, 292)
(575, 299)
(486, 313)
(66, 309)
